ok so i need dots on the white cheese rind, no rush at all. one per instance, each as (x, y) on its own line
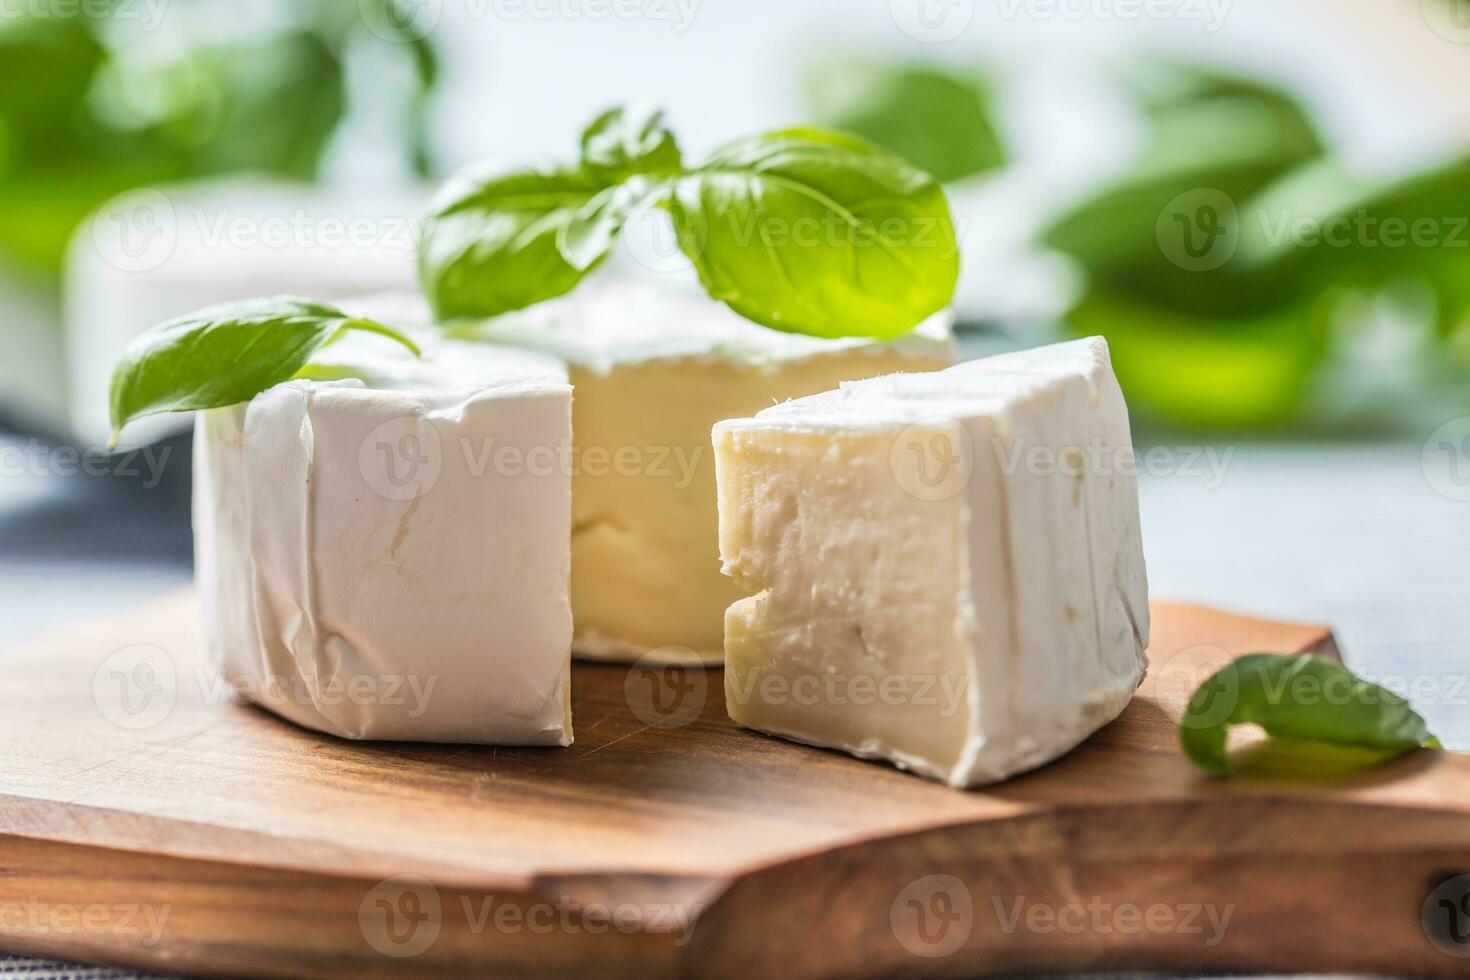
(1000, 596)
(371, 568)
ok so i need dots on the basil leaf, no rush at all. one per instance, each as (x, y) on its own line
(1165, 251)
(1213, 143)
(1330, 227)
(936, 119)
(623, 142)
(1200, 118)
(1281, 758)
(38, 118)
(818, 233)
(224, 355)
(867, 245)
(490, 244)
(587, 238)
(1300, 699)
(1224, 372)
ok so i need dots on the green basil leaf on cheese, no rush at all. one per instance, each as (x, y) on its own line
(586, 239)
(224, 355)
(1306, 703)
(804, 231)
(490, 243)
(818, 233)
(628, 141)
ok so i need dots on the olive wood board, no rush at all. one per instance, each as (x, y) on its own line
(213, 838)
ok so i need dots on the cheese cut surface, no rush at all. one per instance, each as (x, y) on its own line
(383, 555)
(943, 570)
(653, 370)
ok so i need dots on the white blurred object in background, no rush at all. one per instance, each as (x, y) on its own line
(32, 372)
(156, 253)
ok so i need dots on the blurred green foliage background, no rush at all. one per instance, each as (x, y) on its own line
(1234, 258)
(94, 105)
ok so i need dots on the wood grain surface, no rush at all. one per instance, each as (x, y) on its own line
(667, 842)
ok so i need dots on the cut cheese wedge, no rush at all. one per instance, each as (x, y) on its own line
(654, 368)
(382, 547)
(942, 570)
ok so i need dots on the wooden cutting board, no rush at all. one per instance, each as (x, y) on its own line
(177, 831)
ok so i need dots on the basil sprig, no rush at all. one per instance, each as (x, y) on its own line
(490, 244)
(818, 233)
(801, 230)
(502, 238)
(1307, 705)
(224, 355)
(623, 142)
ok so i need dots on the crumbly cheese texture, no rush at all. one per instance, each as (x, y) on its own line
(654, 369)
(941, 570)
(378, 554)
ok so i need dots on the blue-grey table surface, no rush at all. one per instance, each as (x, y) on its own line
(1362, 536)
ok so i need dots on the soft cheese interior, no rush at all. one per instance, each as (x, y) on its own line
(943, 570)
(370, 567)
(654, 369)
